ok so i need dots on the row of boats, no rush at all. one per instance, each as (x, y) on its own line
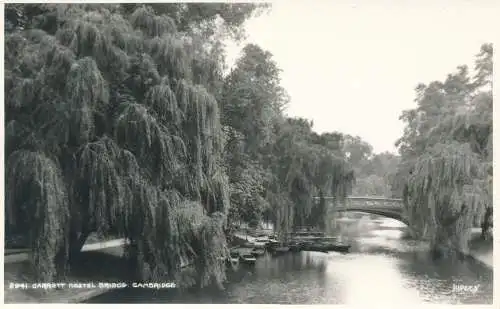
(317, 241)
(259, 246)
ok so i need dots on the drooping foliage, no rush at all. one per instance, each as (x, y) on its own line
(446, 154)
(449, 180)
(119, 120)
(305, 169)
(35, 182)
(206, 18)
(276, 164)
(112, 128)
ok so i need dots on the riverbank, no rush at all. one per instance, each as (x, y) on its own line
(405, 274)
(105, 265)
(480, 249)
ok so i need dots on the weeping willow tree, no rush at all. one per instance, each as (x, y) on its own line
(305, 169)
(447, 149)
(107, 131)
(447, 188)
(275, 165)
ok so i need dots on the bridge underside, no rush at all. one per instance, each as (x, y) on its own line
(388, 213)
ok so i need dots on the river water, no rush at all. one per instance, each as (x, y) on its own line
(381, 268)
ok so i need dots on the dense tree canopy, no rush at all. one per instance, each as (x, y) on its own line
(304, 168)
(119, 120)
(276, 164)
(250, 93)
(111, 127)
(446, 154)
(374, 172)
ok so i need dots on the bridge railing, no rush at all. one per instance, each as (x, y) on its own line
(368, 201)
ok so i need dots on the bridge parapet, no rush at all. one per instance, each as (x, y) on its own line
(382, 206)
(368, 202)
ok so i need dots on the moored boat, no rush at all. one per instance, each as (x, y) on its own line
(258, 252)
(248, 259)
(259, 242)
(340, 247)
(296, 246)
(280, 249)
(271, 244)
(336, 246)
(326, 247)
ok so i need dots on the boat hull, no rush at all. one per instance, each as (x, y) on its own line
(258, 252)
(341, 248)
(248, 260)
(296, 248)
(328, 247)
(280, 250)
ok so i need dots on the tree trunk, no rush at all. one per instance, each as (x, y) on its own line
(486, 224)
(76, 242)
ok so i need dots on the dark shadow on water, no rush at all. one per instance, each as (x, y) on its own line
(281, 269)
(416, 262)
(290, 278)
(422, 267)
(93, 267)
(103, 267)
(98, 266)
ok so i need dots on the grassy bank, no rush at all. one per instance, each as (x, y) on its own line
(19, 243)
(105, 265)
(98, 263)
(480, 249)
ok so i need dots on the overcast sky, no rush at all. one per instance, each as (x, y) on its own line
(353, 68)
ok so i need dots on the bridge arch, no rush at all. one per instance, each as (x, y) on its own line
(380, 212)
(376, 205)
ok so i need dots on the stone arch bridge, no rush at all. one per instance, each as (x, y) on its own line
(377, 205)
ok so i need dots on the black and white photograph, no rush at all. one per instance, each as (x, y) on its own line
(287, 152)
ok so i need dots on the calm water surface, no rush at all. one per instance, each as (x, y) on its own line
(381, 268)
